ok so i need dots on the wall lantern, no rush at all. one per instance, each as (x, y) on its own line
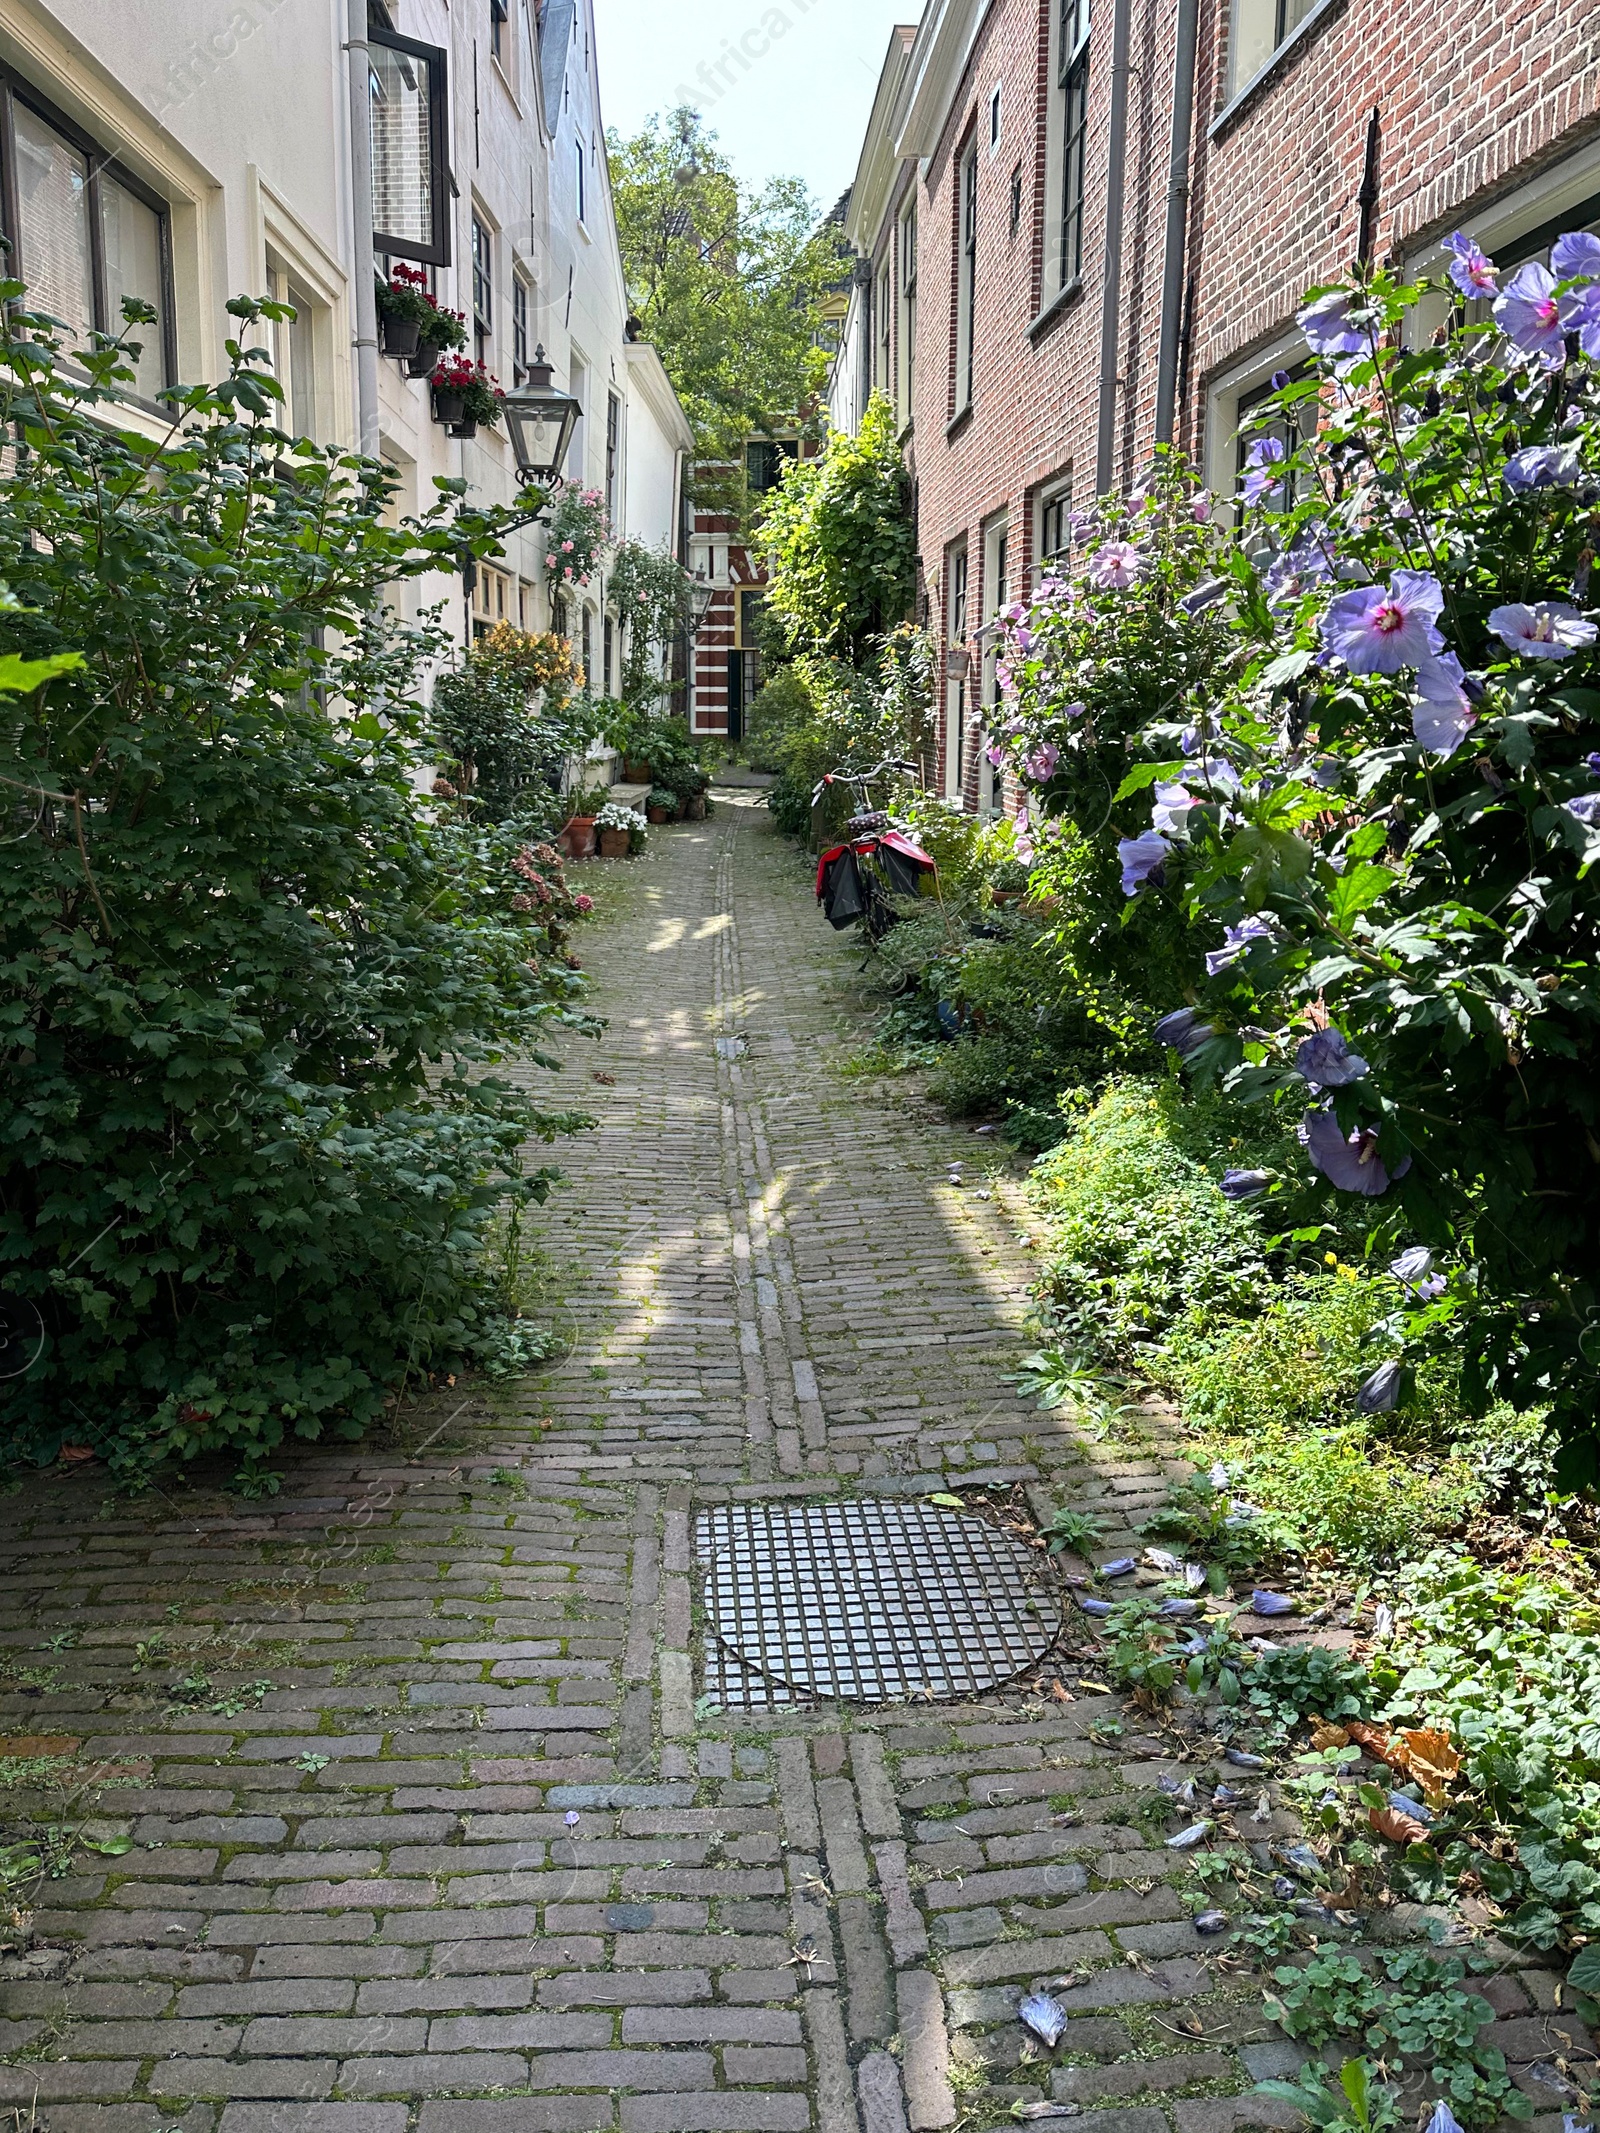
(540, 421)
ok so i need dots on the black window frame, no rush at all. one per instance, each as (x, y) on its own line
(613, 451)
(1055, 539)
(499, 24)
(101, 163)
(1289, 432)
(960, 580)
(967, 281)
(1072, 82)
(437, 59)
(520, 336)
(482, 288)
(781, 451)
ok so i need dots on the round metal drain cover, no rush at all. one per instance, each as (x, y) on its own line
(874, 1600)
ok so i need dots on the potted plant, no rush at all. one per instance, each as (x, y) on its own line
(662, 804)
(1008, 881)
(465, 394)
(444, 330)
(620, 830)
(404, 308)
(577, 838)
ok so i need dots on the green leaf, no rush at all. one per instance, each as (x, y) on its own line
(109, 1847)
(1357, 890)
(19, 677)
(1584, 1976)
(950, 1503)
(1143, 774)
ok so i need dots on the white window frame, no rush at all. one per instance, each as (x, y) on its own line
(281, 243)
(1067, 78)
(999, 567)
(905, 364)
(1053, 494)
(966, 277)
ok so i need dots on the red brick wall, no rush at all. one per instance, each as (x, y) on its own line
(1472, 102)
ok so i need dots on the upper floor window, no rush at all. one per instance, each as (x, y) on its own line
(958, 597)
(1055, 527)
(1072, 121)
(908, 311)
(581, 182)
(84, 233)
(500, 31)
(613, 452)
(521, 340)
(967, 278)
(1255, 31)
(884, 377)
(409, 103)
(764, 461)
(482, 291)
(294, 351)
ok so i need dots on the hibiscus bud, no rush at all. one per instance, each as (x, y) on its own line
(1381, 1392)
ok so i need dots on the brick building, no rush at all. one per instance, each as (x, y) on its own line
(1077, 235)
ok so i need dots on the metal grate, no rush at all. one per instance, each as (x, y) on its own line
(872, 1601)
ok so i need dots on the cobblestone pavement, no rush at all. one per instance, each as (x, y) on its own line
(432, 1824)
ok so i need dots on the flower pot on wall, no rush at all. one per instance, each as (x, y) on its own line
(448, 407)
(466, 427)
(613, 844)
(577, 839)
(401, 336)
(426, 360)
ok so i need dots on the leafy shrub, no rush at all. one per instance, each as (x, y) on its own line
(840, 543)
(1139, 1234)
(1295, 1366)
(1510, 1663)
(253, 1002)
(1303, 1681)
(507, 721)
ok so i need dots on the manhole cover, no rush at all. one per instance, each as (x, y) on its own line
(872, 1601)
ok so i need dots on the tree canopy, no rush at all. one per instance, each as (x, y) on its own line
(725, 281)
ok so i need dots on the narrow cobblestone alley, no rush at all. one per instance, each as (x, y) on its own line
(433, 1821)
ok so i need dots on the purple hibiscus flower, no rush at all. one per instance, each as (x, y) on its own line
(1414, 1271)
(1381, 1392)
(1308, 560)
(1379, 629)
(1183, 1031)
(1245, 1184)
(1528, 315)
(1262, 482)
(1041, 763)
(1327, 1062)
(1576, 256)
(1327, 772)
(1349, 1161)
(1591, 763)
(1142, 859)
(1548, 629)
(1585, 808)
(1327, 327)
(1073, 710)
(1172, 803)
(1236, 941)
(1541, 466)
(1116, 566)
(996, 753)
(1472, 271)
(1442, 716)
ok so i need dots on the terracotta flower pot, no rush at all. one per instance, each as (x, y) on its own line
(401, 336)
(426, 360)
(635, 773)
(659, 814)
(577, 839)
(448, 407)
(613, 844)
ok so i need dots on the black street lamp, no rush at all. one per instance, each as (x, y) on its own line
(540, 421)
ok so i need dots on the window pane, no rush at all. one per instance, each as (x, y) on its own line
(302, 366)
(402, 194)
(1254, 39)
(131, 236)
(53, 208)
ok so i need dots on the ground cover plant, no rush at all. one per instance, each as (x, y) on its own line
(254, 998)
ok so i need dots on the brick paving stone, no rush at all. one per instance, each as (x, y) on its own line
(361, 1907)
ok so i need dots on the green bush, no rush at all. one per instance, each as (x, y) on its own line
(1294, 1366)
(840, 543)
(1138, 1233)
(254, 1002)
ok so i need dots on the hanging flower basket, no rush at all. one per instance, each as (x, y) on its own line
(399, 336)
(426, 360)
(448, 406)
(465, 395)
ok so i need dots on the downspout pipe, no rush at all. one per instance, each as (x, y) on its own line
(1186, 32)
(366, 334)
(1111, 298)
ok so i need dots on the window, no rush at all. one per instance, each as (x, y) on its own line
(884, 376)
(958, 597)
(578, 449)
(1072, 80)
(610, 651)
(996, 591)
(613, 452)
(748, 619)
(1287, 431)
(409, 102)
(1055, 528)
(482, 292)
(994, 120)
(581, 181)
(499, 31)
(1255, 31)
(294, 351)
(764, 461)
(493, 597)
(908, 312)
(587, 660)
(521, 339)
(85, 234)
(966, 280)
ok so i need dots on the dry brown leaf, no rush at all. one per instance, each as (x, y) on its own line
(1375, 1740)
(1325, 1735)
(1398, 1828)
(1432, 1759)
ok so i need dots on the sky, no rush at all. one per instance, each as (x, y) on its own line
(798, 108)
